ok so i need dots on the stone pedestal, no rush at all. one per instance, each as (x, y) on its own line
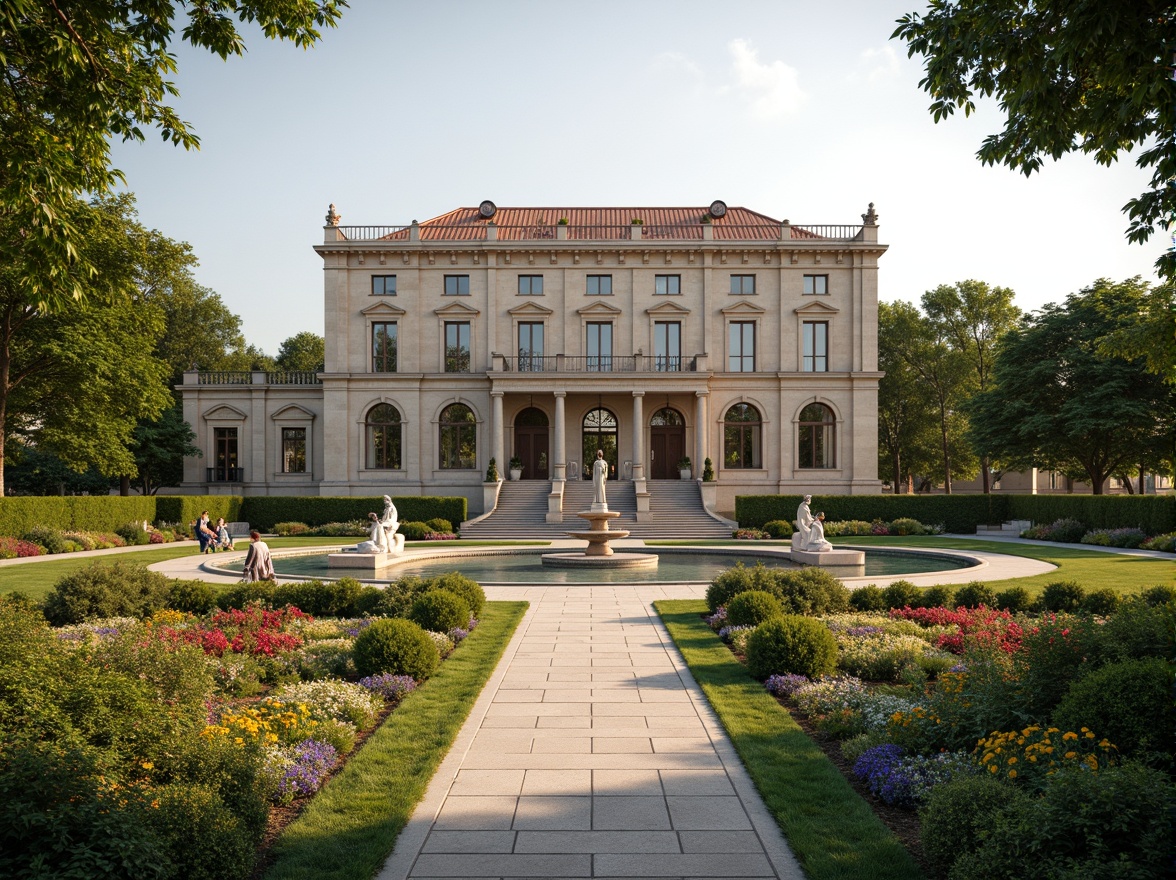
(827, 558)
(359, 561)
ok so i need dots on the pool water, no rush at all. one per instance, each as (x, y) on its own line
(674, 566)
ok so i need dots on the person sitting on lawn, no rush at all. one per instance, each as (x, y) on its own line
(224, 541)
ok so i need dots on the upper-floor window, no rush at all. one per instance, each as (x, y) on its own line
(743, 285)
(667, 346)
(816, 347)
(531, 346)
(293, 450)
(741, 347)
(384, 347)
(383, 285)
(599, 346)
(457, 346)
(816, 284)
(599, 285)
(457, 285)
(667, 285)
(530, 285)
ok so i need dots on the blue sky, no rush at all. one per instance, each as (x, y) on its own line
(799, 110)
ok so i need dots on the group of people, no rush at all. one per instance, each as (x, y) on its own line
(259, 565)
(213, 538)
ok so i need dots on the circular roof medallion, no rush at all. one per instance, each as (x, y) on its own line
(487, 209)
(717, 209)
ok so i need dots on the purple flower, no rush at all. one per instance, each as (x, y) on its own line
(785, 685)
(905, 781)
(863, 630)
(359, 627)
(472, 624)
(717, 619)
(313, 761)
(727, 631)
(390, 687)
(458, 634)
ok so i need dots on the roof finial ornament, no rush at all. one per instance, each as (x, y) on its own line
(333, 218)
(870, 218)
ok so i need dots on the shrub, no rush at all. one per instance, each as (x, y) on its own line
(1128, 703)
(400, 647)
(13, 548)
(439, 611)
(396, 598)
(52, 540)
(778, 528)
(134, 534)
(752, 608)
(1053, 653)
(1114, 823)
(83, 540)
(1014, 600)
(1130, 538)
(201, 833)
(242, 594)
(867, 598)
(106, 590)
(958, 814)
(791, 644)
(907, 526)
(750, 534)
(1159, 595)
(1137, 630)
(415, 531)
(1065, 530)
(194, 596)
(809, 590)
(460, 585)
(958, 513)
(263, 511)
(1102, 602)
(975, 594)
(1062, 596)
(235, 773)
(289, 529)
(1165, 543)
(355, 529)
(900, 594)
(938, 596)
(319, 598)
(437, 524)
(733, 581)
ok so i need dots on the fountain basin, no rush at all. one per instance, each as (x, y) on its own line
(612, 560)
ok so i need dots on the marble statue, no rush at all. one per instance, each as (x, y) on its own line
(383, 537)
(804, 520)
(816, 542)
(599, 475)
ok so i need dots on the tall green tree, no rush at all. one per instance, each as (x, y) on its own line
(1058, 402)
(1151, 337)
(81, 73)
(1088, 75)
(160, 447)
(303, 351)
(75, 382)
(907, 417)
(974, 316)
(945, 374)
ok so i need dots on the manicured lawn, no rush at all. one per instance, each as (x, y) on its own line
(833, 832)
(1093, 569)
(351, 826)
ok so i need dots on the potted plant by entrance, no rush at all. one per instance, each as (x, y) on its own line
(516, 468)
(684, 468)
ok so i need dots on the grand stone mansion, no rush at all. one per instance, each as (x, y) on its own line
(545, 334)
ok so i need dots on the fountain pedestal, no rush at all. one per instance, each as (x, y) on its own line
(598, 553)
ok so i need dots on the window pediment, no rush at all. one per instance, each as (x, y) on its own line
(383, 310)
(293, 413)
(816, 310)
(667, 310)
(598, 310)
(530, 310)
(456, 310)
(224, 413)
(743, 309)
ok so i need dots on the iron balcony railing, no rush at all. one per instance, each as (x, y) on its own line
(247, 377)
(633, 363)
(223, 474)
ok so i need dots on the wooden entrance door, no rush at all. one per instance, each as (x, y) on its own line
(530, 443)
(667, 444)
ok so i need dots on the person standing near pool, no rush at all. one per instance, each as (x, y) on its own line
(259, 566)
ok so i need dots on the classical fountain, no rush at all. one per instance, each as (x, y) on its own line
(598, 553)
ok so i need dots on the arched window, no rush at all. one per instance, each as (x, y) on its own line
(666, 417)
(817, 435)
(459, 433)
(383, 437)
(742, 431)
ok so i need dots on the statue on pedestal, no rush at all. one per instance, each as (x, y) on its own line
(599, 475)
(383, 537)
(804, 521)
(816, 542)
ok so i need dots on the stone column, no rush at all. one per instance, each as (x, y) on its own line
(701, 431)
(497, 444)
(638, 436)
(559, 456)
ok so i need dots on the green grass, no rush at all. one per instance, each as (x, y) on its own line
(348, 830)
(831, 829)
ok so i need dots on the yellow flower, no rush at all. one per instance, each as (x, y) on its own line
(1012, 774)
(147, 765)
(992, 768)
(1068, 735)
(1070, 755)
(1089, 735)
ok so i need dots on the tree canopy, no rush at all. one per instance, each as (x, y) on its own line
(304, 351)
(1057, 401)
(1088, 75)
(79, 73)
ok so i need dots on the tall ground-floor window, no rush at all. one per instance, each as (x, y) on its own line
(742, 436)
(293, 450)
(817, 435)
(458, 437)
(225, 469)
(383, 437)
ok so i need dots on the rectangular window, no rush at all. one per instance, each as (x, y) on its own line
(225, 468)
(599, 285)
(384, 347)
(599, 347)
(530, 285)
(743, 285)
(457, 346)
(383, 285)
(457, 285)
(816, 347)
(531, 346)
(667, 285)
(293, 450)
(667, 346)
(741, 347)
(817, 285)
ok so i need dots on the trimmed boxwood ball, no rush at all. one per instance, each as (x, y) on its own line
(437, 524)
(791, 644)
(810, 590)
(1062, 596)
(196, 596)
(975, 594)
(440, 611)
(414, 531)
(900, 594)
(1103, 602)
(957, 813)
(867, 598)
(106, 590)
(460, 585)
(778, 528)
(1014, 600)
(1159, 595)
(397, 646)
(752, 608)
(734, 581)
(938, 596)
(1128, 703)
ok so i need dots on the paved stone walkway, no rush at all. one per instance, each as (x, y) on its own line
(591, 753)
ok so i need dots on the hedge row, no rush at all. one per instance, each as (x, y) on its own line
(105, 513)
(1154, 514)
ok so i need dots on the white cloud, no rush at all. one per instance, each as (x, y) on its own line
(771, 89)
(876, 65)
